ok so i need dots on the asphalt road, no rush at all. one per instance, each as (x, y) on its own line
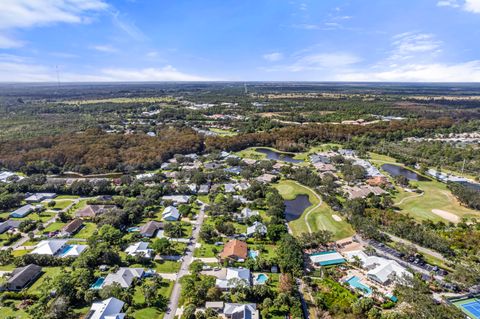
(187, 259)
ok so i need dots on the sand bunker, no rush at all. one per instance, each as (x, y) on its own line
(337, 218)
(446, 215)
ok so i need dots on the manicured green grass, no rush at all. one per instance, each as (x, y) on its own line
(251, 153)
(167, 266)
(61, 204)
(222, 132)
(207, 251)
(436, 197)
(319, 218)
(54, 227)
(67, 197)
(18, 253)
(87, 231)
(151, 312)
(49, 272)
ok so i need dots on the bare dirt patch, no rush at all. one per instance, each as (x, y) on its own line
(446, 215)
(336, 218)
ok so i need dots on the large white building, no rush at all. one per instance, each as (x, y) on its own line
(107, 309)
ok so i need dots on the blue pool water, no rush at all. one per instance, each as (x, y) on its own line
(98, 283)
(355, 283)
(133, 229)
(252, 254)
(65, 250)
(261, 278)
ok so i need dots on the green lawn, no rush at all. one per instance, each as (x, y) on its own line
(53, 227)
(151, 312)
(49, 272)
(207, 251)
(223, 132)
(67, 197)
(167, 266)
(319, 218)
(61, 204)
(87, 231)
(436, 197)
(7, 312)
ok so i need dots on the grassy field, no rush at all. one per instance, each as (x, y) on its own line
(222, 132)
(87, 231)
(151, 312)
(319, 218)
(167, 266)
(436, 197)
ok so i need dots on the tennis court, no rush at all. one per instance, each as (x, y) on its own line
(471, 307)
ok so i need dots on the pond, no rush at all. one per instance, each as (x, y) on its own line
(278, 156)
(396, 170)
(294, 208)
(471, 185)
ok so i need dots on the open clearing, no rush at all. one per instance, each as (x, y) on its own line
(319, 218)
(436, 203)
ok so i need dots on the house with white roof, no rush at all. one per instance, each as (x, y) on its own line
(107, 309)
(382, 270)
(38, 197)
(177, 199)
(49, 247)
(256, 228)
(170, 214)
(247, 213)
(124, 277)
(229, 188)
(58, 248)
(241, 311)
(139, 249)
(234, 278)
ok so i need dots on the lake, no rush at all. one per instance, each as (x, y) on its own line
(396, 170)
(278, 156)
(294, 208)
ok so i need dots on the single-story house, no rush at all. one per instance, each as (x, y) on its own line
(362, 191)
(327, 258)
(234, 278)
(242, 186)
(139, 249)
(229, 188)
(204, 189)
(177, 199)
(92, 211)
(241, 311)
(257, 227)
(107, 309)
(382, 270)
(6, 177)
(170, 214)
(59, 248)
(9, 224)
(235, 249)
(212, 165)
(266, 178)
(247, 213)
(124, 277)
(150, 228)
(378, 181)
(23, 211)
(234, 170)
(38, 197)
(71, 228)
(22, 277)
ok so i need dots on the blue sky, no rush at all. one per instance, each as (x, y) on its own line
(240, 40)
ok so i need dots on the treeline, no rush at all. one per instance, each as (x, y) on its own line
(298, 137)
(95, 151)
(467, 195)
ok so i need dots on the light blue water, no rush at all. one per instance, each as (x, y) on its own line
(252, 254)
(355, 283)
(65, 250)
(98, 283)
(133, 229)
(261, 278)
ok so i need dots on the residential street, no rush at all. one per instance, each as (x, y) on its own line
(187, 259)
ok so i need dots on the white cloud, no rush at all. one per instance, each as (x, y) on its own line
(435, 72)
(472, 6)
(29, 13)
(106, 48)
(467, 5)
(323, 61)
(273, 57)
(19, 69)
(411, 44)
(9, 43)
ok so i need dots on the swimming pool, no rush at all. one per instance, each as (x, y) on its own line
(261, 279)
(252, 254)
(65, 250)
(98, 283)
(355, 283)
(133, 229)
